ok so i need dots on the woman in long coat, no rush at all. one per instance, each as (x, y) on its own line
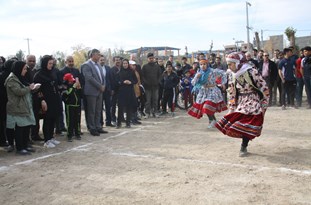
(19, 107)
(50, 102)
(126, 79)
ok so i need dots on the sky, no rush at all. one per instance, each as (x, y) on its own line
(59, 25)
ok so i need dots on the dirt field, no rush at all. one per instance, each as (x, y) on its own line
(167, 161)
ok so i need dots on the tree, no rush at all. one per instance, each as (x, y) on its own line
(80, 54)
(290, 34)
(60, 57)
(20, 55)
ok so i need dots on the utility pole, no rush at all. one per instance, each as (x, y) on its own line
(247, 25)
(28, 39)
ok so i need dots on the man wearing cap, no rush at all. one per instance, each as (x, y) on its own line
(94, 86)
(151, 76)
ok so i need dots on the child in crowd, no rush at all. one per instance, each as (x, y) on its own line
(71, 96)
(169, 82)
(186, 88)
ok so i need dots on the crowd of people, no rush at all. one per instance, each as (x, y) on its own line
(245, 84)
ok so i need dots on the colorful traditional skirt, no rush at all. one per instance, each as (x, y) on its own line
(208, 107)
(240, 125)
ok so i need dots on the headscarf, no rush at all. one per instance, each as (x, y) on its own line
(7, 66)
(17, 68)
(239, 59)
(236, 57)
(44, 62)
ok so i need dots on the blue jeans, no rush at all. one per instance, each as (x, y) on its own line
(299, 89)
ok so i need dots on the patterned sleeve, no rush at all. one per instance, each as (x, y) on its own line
(231, 94)
(223, 76)
(195, 79)
(261, 84)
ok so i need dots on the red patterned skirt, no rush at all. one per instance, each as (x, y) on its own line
(208, 107)
(240, 125)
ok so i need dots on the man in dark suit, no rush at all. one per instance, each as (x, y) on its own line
(94, 86)
(107, 93)
(269, 72)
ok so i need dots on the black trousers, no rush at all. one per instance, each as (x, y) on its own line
(48, 127)
(114, 100)
(288, 89)
(21, 137)
(245, 141)
(107, 102)
(128, 111)
(168, 96)
(3, 137)
(10, 133)
(73, 116)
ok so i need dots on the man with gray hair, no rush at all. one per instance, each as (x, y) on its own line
(251, 60)
(94, 86)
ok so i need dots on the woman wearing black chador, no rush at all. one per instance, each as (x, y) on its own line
(126, 79)
(50, 102)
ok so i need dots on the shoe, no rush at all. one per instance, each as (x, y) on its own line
(94, 133)
(23, 152)
(63, 129)
(283, 107)
(110, 125)
(128, 126)
(101, 131)
(81, 133)
(136, 122)
(78, 137)
(10, 148)
(36, 138)
(54, 141)
(49, 144)
(30, 149)
(173, 114)
(118, 126)
(138, 118)
(243, 151)
(163, 113)
(212, 124)
(69, 138)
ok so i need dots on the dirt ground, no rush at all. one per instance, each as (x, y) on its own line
(167, 160)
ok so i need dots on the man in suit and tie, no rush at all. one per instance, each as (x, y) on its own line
(94, 86)
(108, 92)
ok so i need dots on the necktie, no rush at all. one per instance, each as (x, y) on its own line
(98, 71)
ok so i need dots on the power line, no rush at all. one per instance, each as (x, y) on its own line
(28, 39)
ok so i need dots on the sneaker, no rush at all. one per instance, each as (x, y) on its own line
(212, 124)
(23, 152)
(243, 151)
(10, 148)
(54, 141)
(49, 144)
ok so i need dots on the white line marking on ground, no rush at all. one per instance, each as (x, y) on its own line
(78, 148)
(256, 167)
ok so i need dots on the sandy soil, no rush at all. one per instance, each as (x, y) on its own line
(167, 161)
